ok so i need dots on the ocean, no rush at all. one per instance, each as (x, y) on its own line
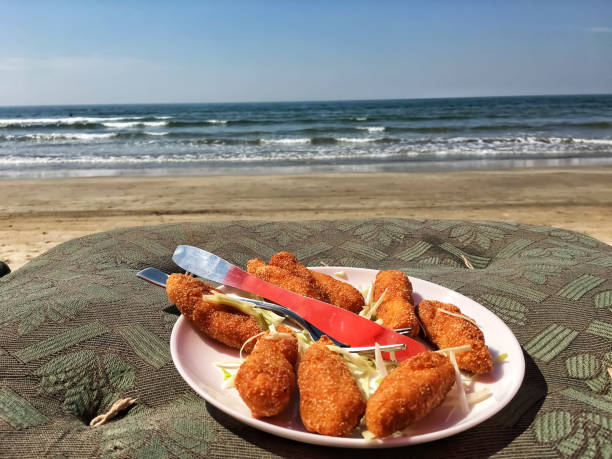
(281, 137)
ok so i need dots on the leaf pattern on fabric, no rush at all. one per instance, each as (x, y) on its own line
(384, 236)
(506, 308)
(282, 235)
(583, 366)
(481, 235)
(574, 237)
(550, 342)
(83, 380)
(440, 261)
(539, 273)
(603, 299)
(586, 436)
(552, 253)
(78, 331)
(185, 423)
(17, 411)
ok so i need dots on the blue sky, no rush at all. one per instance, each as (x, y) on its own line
(69, 52)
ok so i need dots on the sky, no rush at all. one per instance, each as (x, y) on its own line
(90, 52)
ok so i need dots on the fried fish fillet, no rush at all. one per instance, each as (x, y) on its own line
(289, 262)
(283, 278)
(330, 400)
(341, 294)
(266, 379)
(409, 393)
(222, 323)
(446, 330)
(397, 307)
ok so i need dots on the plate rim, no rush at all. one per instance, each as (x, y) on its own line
(347, 442)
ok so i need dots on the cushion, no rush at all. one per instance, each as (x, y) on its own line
(78, 330)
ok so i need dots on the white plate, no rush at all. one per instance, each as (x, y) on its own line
(194, 356)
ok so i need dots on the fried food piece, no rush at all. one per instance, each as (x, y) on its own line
(222, 323)
(445, 330)
(289, 262)
(283, 278)
(341, 294)
(409, 393)
(397, 307)
(330, 401)
(266, 379)
(185, 291)
(284, 342)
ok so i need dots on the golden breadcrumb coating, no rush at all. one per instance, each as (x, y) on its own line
(283, 278)
(289, 262)
(266, 379)
(222, 323)
(285, 342)
(338, 293)
(330, 400)
(397, 307)
(185, 291)
(409, 393)
(446, 331)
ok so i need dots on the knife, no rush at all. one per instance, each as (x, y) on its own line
(344, 325)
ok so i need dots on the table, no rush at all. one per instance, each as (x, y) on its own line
(78, 330)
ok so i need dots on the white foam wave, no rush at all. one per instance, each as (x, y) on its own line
(74, 136)
(355, 139)
(156, 133)
(132, 124)
(372, 128)
(595, 141)
(217, 121)
(362, 118)
(25, 122)
(286, 141)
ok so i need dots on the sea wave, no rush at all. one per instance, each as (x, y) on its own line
(356, 139)
(30, 122)
(372, 128)
(286, 141)
(133, 124)
(54, 136)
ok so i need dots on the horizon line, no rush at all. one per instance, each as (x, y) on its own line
(305, 101)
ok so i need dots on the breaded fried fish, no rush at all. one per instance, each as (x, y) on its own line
(397, 307)
(341, 294)
(266, 379)
(222, 323)
(446, 330)
(409, 393)
(330, 400)
(289, 262)
(283, 278)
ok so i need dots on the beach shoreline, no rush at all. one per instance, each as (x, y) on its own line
(41, 213)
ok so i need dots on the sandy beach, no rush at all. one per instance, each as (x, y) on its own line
(39, 214)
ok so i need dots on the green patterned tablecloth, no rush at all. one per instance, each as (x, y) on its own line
(78, 330)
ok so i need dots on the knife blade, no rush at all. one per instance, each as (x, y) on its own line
(344, 325)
